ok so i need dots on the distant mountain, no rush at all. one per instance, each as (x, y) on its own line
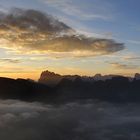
(98, 77)
(137, 76)
(71, 87)
(52, 79)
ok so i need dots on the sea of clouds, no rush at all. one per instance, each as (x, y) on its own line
(91, 120)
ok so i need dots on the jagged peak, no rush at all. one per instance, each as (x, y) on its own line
(53, 78)
(137, 76)
(47, 72)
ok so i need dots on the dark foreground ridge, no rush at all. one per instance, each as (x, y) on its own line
(26, 90)
(70, 88)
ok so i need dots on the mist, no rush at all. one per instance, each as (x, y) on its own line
(72, 121)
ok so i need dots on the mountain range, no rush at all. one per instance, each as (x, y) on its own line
(55, 88)
(52, 79)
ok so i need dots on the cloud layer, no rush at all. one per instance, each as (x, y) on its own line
(124, 66)
(31, 31)
(10, 60)
(73, 121)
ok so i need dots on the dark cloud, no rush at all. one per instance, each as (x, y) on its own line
(26, 20)
(10, 60)
(73, 121)
(31, 31)
(124, 66)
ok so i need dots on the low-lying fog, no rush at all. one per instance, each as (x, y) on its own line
(92, 120)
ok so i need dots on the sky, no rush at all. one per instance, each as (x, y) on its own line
(82, 37)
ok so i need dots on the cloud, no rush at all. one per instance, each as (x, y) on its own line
(132, 58)
(124, 66)
(10, 60)
(73, 121)
(81, 11)
(31, 31)
(7, 68)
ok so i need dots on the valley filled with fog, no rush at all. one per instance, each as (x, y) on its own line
(90, 119)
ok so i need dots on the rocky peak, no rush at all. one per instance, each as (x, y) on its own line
(49, 78)
(137, 76)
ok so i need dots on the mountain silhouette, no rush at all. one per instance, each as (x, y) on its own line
(22, 89)
(56, 88)
(137, 76)
(52, 79)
